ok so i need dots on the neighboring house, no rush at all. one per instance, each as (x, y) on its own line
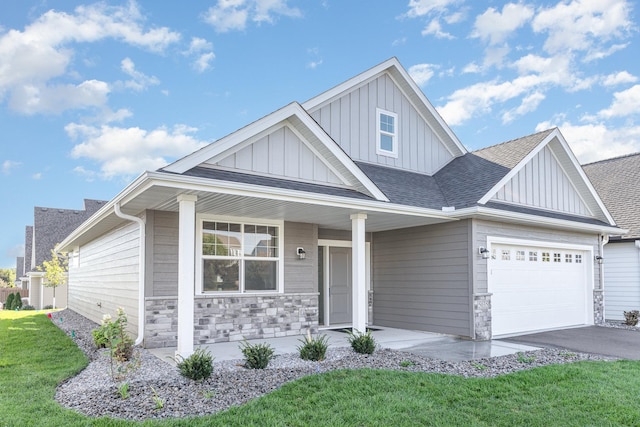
(51, 226)
(358, 207)
(618, 183)
(19, 271)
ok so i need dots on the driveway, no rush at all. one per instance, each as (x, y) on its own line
(620, 343)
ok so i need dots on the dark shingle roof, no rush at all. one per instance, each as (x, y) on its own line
(617, 181)
(52, 225)
(266, 181)
(28, 248)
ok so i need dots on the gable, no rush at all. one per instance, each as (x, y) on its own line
(281, 154)
(349, 113)
(542, 183)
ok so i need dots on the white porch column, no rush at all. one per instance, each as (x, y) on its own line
(186, 272)
(358, 271)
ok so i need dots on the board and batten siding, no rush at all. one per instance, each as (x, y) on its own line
(162, 254)
(482, 229)
(300, 275)
(281, 154)
(542, 183)
(107, 276)
(621, 279)
(351, 121)
(421, 279)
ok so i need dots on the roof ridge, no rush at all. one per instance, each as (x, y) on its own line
(612, 158)
(515, 139)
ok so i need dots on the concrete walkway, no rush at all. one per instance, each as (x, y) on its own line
(427, 344)
(620, 343)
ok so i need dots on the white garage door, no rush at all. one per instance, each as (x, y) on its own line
(537, 288)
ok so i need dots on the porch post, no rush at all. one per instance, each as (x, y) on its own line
(186, 272)
(358, 272)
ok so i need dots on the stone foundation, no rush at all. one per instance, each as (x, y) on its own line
(482, 316)
(234, 318)
(598, 306)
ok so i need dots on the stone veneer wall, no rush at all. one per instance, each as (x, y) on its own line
(233, 318)
(482, 316)
(598, 306)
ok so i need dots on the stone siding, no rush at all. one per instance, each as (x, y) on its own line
(598, 306)
(482, 316)
(233, 318)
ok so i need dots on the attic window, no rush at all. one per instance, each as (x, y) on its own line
(387, 133)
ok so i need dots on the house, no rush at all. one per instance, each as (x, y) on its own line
(50, 227)
(617, 181)
(19, 271)
(358, 207)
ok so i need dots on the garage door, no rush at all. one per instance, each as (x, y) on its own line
(537, 287)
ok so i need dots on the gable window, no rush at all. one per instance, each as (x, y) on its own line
(239, 257)
(387, 133)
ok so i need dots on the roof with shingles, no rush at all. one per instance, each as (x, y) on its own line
(28, 248)
(510, 153)
(52, 225)
(617, 181)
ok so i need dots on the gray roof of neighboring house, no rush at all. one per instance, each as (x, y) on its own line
(52, 225)
(617, 181)
(19, 267)
(28, 248)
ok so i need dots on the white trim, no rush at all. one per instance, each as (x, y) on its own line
(379, 133)
(200, 218)
(186, 256)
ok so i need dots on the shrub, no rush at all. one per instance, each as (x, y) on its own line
(362, 343)
(28, 307)
(48, 307)
(313, 348)
(256, 356)
(113, 334)
(631, 317)
(8, 304)
(198, 366)
(17, 301)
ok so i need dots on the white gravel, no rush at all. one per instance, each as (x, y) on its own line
(94, 392)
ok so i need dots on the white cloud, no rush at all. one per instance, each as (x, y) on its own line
(434, 28)
(36, 176)
(495, 27)
(43, 51)
(233, 15)
(593, 142)
(139, 81)
(583, 25)
(418, 8)
(619, 78)
(625, 103)
(202, 50)
(130, 151)
(422, 73)
(16, 251)
(8, 166)
(529, 103)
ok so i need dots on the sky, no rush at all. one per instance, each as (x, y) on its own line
(92, 94)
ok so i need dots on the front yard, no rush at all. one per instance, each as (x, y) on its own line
(35, 356)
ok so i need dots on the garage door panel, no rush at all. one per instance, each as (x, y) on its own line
(536, 288)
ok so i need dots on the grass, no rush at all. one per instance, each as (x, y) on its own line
(35, 356)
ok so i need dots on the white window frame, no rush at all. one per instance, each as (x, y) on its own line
(201, 218)
(380, 132)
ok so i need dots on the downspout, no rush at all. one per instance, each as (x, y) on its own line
(603, 240)
(141, 270)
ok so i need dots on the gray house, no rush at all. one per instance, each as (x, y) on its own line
(19, 271)
(358, 207)
(51, 226)
(617, 181)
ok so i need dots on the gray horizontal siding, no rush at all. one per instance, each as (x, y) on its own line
(300, 275)
(421, 279)
(621, 279)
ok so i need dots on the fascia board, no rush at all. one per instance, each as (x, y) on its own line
(498, 214)
(189, 183)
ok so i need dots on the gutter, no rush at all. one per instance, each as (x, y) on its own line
(141, 268)
(603, 240)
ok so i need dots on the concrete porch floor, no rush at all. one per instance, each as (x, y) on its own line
(427, 344)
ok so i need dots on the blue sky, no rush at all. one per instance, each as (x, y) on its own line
(93, 94)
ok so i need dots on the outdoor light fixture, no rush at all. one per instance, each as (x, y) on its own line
(484, 252)
(301, 253)
(599, 259)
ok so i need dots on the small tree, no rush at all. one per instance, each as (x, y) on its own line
(8, 304)
(55, 272)
(17, 301)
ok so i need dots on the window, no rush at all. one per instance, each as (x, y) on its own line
(506, 255)
(568, 258)
(533, 256)
(387, 130)
(578, 259)
(520, 256)
(557, 257)
(546, 257)
(239, 257)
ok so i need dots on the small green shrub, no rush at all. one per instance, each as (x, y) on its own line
(159, 402)
(113, 334)
(406, 363)
(28, 307)
(522, 358)
(362, 343)
(48, 307)
(631, 317)
(123, 390)
(256, 356)
(17, 301)
(313, 348)
(8, 304)
(198, 366)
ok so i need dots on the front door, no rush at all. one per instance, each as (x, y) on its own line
(340, 293)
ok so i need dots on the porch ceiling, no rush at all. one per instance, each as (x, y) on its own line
(318, 212)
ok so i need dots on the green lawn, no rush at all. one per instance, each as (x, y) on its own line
(35, 356)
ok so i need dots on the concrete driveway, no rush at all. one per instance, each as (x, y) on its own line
(620, 343)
